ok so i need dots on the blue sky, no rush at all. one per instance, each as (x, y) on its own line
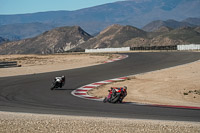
(31, 6)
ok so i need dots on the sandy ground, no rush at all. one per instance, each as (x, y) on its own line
(32, 64)
(173, 86)
(35, 123)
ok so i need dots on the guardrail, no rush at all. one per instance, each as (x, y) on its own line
(125, 49)
(9, 64)
(173, 47)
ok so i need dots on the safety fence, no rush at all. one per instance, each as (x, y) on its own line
(9, 64)
(174, 47)
(168, 48)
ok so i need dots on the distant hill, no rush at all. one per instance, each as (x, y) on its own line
(194, 21)
(56, 40)
(197, 29)
(163, 29)
(113, 36)
(155, 25)
(185, 35)
(3, 40)
(74, 38)
(120, 36)
(23, 31)
(129, 12)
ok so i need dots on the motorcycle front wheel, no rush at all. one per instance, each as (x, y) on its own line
(52, 86)
(115, 99)
(105, 100)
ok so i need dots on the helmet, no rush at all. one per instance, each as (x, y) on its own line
(125, 87)
(63, 77)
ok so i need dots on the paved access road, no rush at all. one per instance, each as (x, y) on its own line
(32, 93)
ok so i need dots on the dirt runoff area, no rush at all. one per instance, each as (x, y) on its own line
(173, 86)
(34, 123)
(33, 64)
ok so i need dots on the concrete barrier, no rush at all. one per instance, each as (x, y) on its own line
(189, 47)
(108, 50)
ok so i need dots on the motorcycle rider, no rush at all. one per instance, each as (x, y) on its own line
(60, 80)
(123, 93)
(121, 90)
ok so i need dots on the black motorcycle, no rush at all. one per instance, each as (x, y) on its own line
(58, 82)
(116, 95)
(55, 84)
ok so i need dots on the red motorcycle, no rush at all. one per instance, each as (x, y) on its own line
(116, 95)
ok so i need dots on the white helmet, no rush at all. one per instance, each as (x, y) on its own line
(125, 87)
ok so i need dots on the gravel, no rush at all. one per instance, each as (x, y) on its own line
(36, 123)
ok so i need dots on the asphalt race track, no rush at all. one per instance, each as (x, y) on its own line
(32, 94)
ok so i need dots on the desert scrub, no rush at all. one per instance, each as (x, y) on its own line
(195, 92)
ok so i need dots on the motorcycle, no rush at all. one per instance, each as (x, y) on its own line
(116, 95)
(58, 83)
(55, 85)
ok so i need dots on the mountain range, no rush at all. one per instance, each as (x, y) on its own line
(136, 13)
(75, 38)
(54, 41)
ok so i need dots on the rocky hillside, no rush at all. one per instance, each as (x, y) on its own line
(197, 29)
(23, 31)
(120, 36)
(3, 40)
(194, 21)
(163, 29)
(73, 38)
(155, 25)
(185, 35)
(113, 36)
(56, 40)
